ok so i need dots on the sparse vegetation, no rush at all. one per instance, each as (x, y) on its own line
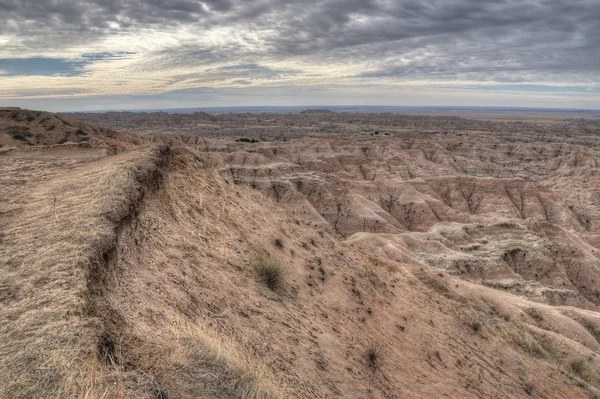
(578, 367)
(205, 363)
(106, 300)
(373, 355)
(475, 325)
(270, 272)
(592, 328)
(528, 386)
(434, 283)
(519, 336)
(535, 314)
(468, 191)
(247, 140)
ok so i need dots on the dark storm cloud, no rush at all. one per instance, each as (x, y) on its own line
(477, 40)
(57, 23)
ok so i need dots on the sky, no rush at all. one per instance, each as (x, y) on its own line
(69, 55)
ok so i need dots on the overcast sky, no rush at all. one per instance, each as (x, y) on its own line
(133, 54)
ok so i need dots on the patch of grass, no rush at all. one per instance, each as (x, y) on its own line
(475, 325)
(473, 320)
(434, 283)
(518, 335)
(529, 344)
(270, 272)
(535, 314)
(207, 364)
(591, 327)
(373, 356)
(579, 368)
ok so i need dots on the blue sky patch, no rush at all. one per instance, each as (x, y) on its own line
(41, 66)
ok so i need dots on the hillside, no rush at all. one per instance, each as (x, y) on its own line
(172, 266)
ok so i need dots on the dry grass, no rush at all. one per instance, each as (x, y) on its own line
(64, 220)
(591, 327)
(518, 336)
(579, 367)
(473, 319)
(211, 365)
(271, 273)
(535, 314)
(373, 356)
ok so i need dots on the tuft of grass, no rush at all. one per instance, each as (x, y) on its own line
(270, 273)
(474, 321)
(475, 325)
(373, 355)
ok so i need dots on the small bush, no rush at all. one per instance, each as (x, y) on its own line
(475, 325)
(270, 273)
(278, 243)
(247, 140)
(473, 320)
(373, 357)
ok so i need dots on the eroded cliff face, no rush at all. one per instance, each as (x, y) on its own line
(508, 205)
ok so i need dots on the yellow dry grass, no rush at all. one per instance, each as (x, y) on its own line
(55, 259)
(61, 227)
(212, 365)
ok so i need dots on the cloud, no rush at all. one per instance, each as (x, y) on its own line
(182, 44)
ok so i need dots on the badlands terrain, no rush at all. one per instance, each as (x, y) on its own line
(316, 254)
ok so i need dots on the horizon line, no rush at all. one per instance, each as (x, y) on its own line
(333, 107)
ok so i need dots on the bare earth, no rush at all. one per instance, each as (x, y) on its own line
(416, 256)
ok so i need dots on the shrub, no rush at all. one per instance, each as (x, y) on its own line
(247, 140)
(278, 243)
(270, 273)
(475, 325)
(373, 357)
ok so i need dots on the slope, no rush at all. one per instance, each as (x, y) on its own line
(139, 275)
